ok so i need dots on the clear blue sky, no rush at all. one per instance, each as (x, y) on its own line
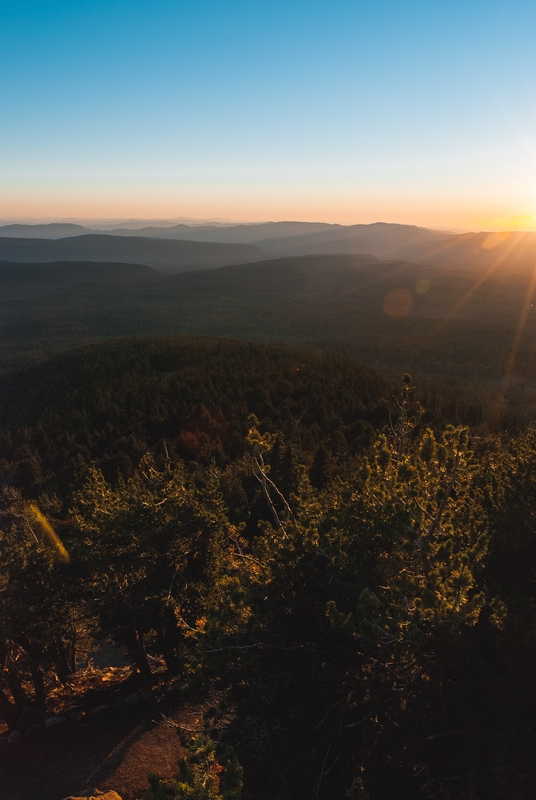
(343, 111)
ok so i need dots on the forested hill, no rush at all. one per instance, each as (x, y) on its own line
(393, 314)
(58, 273)
(354, 578)
(510, 249)
(112, 402)
(50, 230)
(164, 254)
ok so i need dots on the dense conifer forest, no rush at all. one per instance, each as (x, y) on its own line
(354, 573)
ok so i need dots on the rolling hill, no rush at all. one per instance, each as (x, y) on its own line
(72, 272)
(451, 323)
(384, 240)
(165, 255)
(51, 230)
(502, 251)
(241, 244)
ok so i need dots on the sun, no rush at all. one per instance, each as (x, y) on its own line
(519, 222)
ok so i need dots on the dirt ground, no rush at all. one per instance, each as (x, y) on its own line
(113, 748)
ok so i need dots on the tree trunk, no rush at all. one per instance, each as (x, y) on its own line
(170, 641)
(59, 657)
(72, 641)
(15, 687)
(33, 656)
(134, 642)
(40, 698)
(12, 676)
(8, 711)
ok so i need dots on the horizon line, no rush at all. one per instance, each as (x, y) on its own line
(225, 222)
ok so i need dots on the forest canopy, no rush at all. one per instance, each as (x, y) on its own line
(354, 573)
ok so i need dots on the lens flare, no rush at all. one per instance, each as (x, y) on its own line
(43, 530)
(511, 364)
(514, 244)
(422, 286)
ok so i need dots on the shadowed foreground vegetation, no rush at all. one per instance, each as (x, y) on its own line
(354, 574)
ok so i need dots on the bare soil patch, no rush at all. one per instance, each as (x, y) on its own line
(105, 746)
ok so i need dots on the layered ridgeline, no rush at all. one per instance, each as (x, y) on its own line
(463, 324)
(280, 238)
(385, 240)
(356, 582)
(165, 255)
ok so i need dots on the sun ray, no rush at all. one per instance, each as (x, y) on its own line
(510, 364)
(514, 244)
(494, 266)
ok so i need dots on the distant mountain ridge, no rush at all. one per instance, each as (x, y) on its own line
(163, 254)
(50, 230)
(506, 249)
(245, 233)
(264, 240)
(282, 238)
(250, 233)
(160, 247)
(381, 239)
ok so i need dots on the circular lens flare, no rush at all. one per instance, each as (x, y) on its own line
(422, 286)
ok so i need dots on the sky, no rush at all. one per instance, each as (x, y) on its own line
(420, 112)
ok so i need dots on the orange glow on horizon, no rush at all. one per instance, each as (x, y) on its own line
(246, 204)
